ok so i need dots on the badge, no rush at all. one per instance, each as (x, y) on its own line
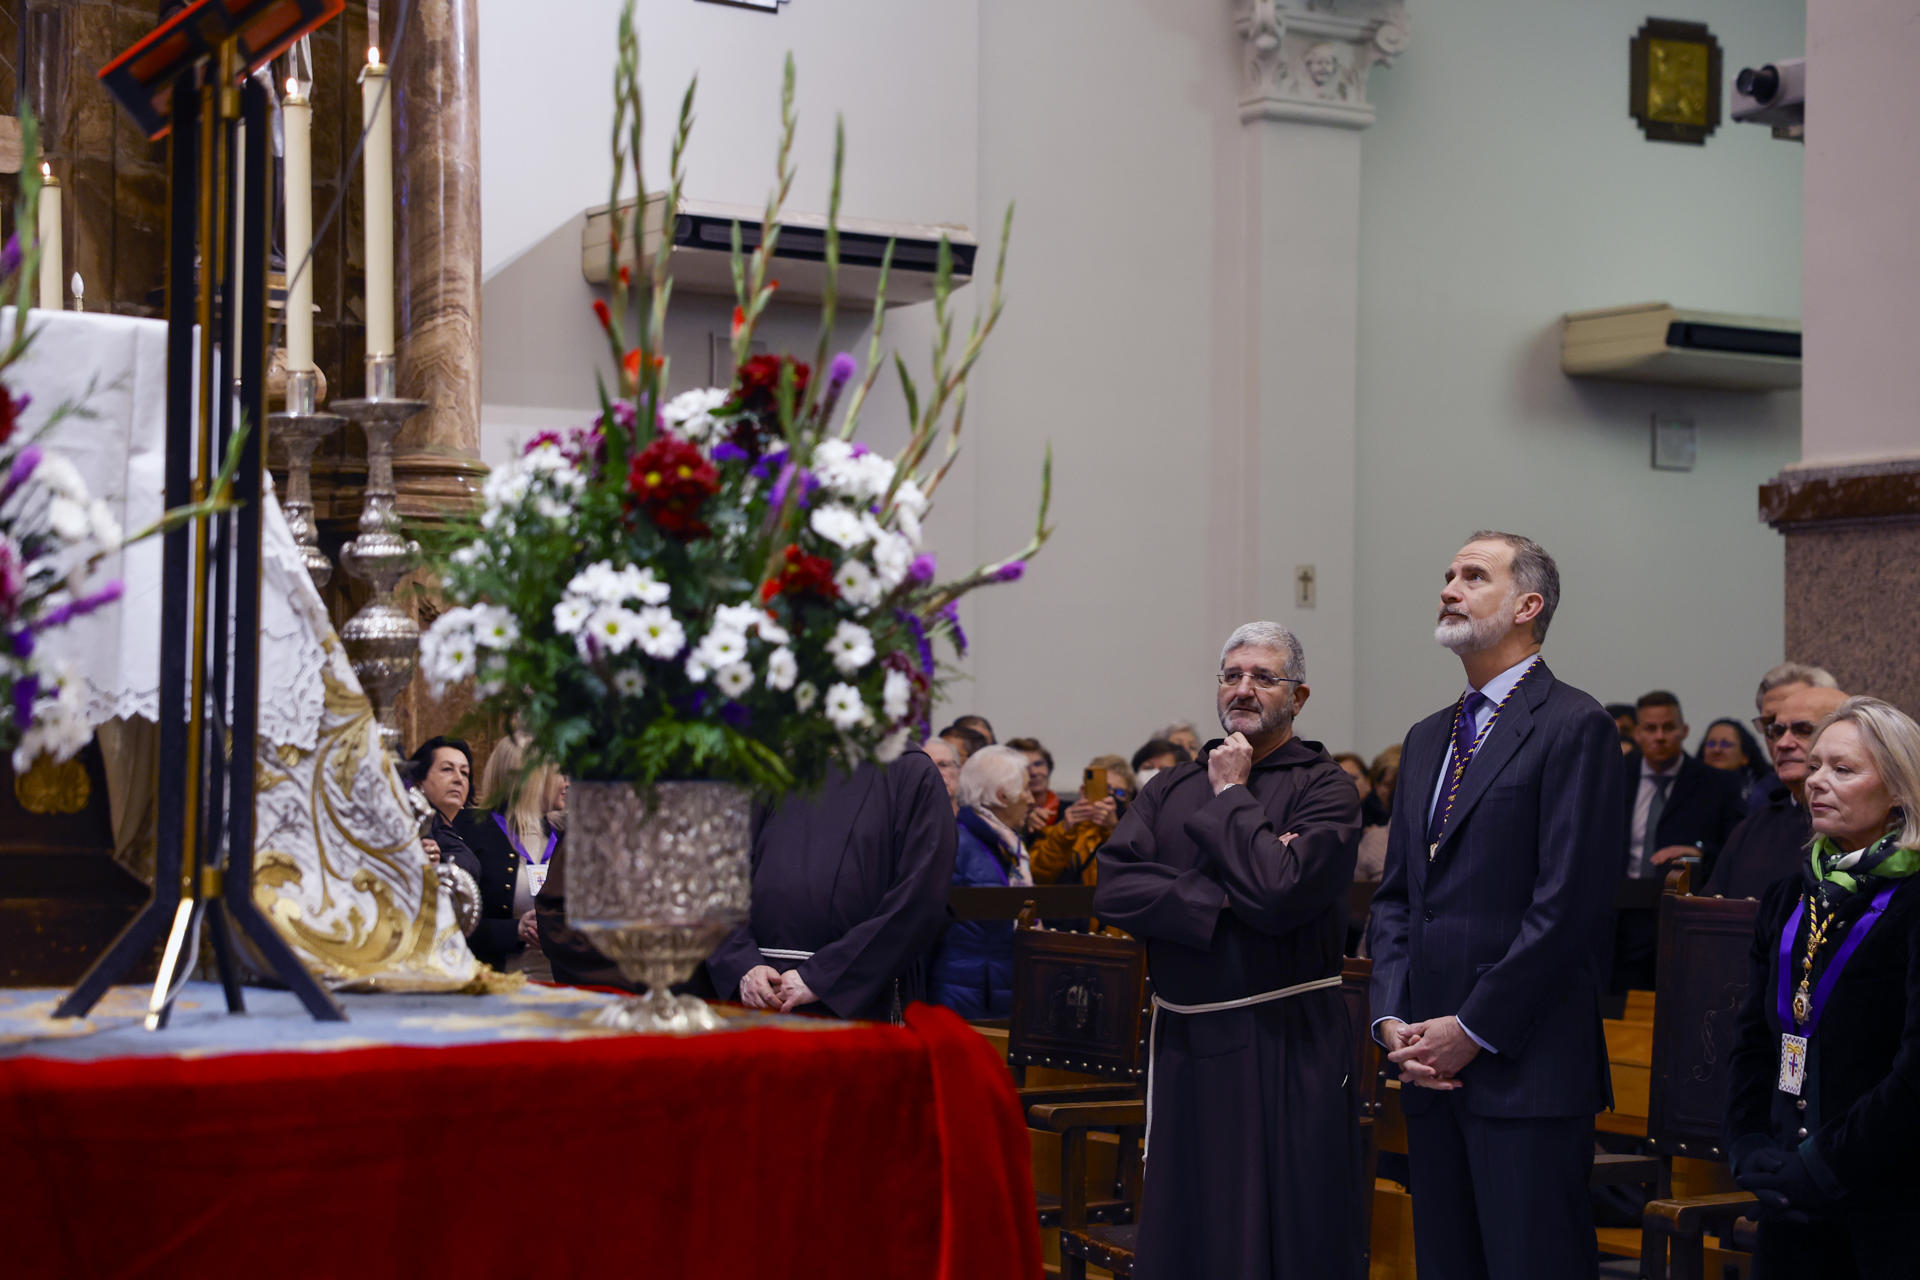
(536, 876)
(1793, 1063)
(1802, 1006)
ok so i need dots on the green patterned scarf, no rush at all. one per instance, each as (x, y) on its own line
(1883, 860)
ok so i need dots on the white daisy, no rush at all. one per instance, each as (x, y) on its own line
(844, 707)
(897, 696)
(571, 614)
(597, 582)
(891, 746)
(640, 584)
(782, 670)
(661, 635)
(734, 679)
(858, 586)
(61, 476)
(851, 647)
(696, 670)
(803, 696)
(839, 526)
(106, 527)
(892, 556)
(744, 618)
(772, 632)
(628, 683)
(690, 413)
(614, 629)
(909, 509)
(494, 627)
(722, 647)
(68, 518)
(548, 507)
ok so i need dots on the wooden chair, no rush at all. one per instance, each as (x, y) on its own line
(1704, 975)
(1085, 1241)
(1079, 1004)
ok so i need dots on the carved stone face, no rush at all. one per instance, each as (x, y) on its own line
(1323, 65)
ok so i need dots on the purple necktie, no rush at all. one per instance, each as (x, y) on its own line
(1463, 737)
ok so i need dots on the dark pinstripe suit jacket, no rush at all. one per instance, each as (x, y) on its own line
(1506, 925)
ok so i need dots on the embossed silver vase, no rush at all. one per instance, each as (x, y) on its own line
(656, 888)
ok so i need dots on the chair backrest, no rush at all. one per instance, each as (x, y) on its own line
(1079, 1003)
(1356, 975)
(1705, 944)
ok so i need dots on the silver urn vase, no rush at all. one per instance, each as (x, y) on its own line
(656, 883)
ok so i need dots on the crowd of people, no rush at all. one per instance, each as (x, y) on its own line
(1491, 924)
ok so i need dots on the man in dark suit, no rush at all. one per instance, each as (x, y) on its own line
(1677, 806)
(1487, 932)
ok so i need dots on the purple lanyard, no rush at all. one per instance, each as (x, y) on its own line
(553, 838)
(1855, 935)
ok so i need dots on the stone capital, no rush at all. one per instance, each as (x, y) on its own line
(1308, 60)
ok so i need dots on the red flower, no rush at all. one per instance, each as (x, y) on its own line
(801, 575)
(739, 322)
(632, 363)
(10, 407)
(626, 277)
(604, 315)
(760, 383)
(671, 480)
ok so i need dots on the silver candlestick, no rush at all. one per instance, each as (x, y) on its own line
(300, 430)
(382, 641)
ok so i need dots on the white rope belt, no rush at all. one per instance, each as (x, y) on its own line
(1216, 1006)
(781, 953)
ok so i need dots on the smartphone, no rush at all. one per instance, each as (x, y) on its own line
(1093, 785)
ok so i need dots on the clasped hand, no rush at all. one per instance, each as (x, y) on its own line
(1431, 1053)
(765, 987)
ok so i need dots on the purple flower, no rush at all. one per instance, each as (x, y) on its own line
(10, 257)
(728, 451)
(919, 631)
(768, 461)
(23, 643)
(808, 483)
(692, 704)
(25, 690)
(77, 608)
(952, 614)
(841, 368)
(23, 467)
(543, 438)
(922, 568)
(734, 714)
(1011, 571)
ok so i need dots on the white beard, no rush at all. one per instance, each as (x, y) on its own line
(1466, 635)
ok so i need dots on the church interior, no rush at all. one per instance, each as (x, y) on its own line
(561, 564)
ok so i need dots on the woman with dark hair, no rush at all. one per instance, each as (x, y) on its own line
(1728, 746)
(442, 768)
(1823, 1094)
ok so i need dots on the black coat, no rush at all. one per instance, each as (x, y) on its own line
(1505, 927)
(1862, 1088)
(1252, 1167)
(1769, 844)
(1704, 804)
(497, 938)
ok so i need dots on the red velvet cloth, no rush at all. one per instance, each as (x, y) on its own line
(870, 1151)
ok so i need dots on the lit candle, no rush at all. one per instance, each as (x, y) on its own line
(52, 274)
(376, 117)
(298, 119)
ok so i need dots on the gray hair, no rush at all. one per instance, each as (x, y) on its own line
(1181, 726)
(992, 777)
(1269, 635)
(1892, 741)
(1792, 673)
(1534, 572)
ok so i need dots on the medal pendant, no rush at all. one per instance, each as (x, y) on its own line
(1802, 1009)
(1433, 850)
(1793, 1064)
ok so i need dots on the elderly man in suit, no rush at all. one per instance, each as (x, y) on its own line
(1488, 931)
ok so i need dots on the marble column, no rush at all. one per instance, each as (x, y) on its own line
(1850, 509)
(1290, 457)
(437, 465)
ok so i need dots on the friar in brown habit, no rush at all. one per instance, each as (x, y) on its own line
(1234, 871)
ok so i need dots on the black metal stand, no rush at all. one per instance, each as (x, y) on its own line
(209, 706)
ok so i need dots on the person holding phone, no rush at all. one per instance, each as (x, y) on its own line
(1064, 853)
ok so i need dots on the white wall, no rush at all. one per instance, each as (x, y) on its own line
(1862, 255)
(1504, 185)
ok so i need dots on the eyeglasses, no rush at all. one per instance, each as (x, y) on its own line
(1778, 729)
(1265, 679)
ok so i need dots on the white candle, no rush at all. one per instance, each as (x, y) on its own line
(298, 182)
(376, 115)
(52, 269)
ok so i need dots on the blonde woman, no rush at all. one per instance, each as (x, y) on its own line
(513, 839)
(1823, 1106)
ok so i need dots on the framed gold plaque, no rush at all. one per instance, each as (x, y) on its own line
(1674, 83)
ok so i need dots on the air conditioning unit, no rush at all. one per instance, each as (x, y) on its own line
(703, 243)
(1658, 342)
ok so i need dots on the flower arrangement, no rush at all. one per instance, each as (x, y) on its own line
(52, 537)
(725, 583)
